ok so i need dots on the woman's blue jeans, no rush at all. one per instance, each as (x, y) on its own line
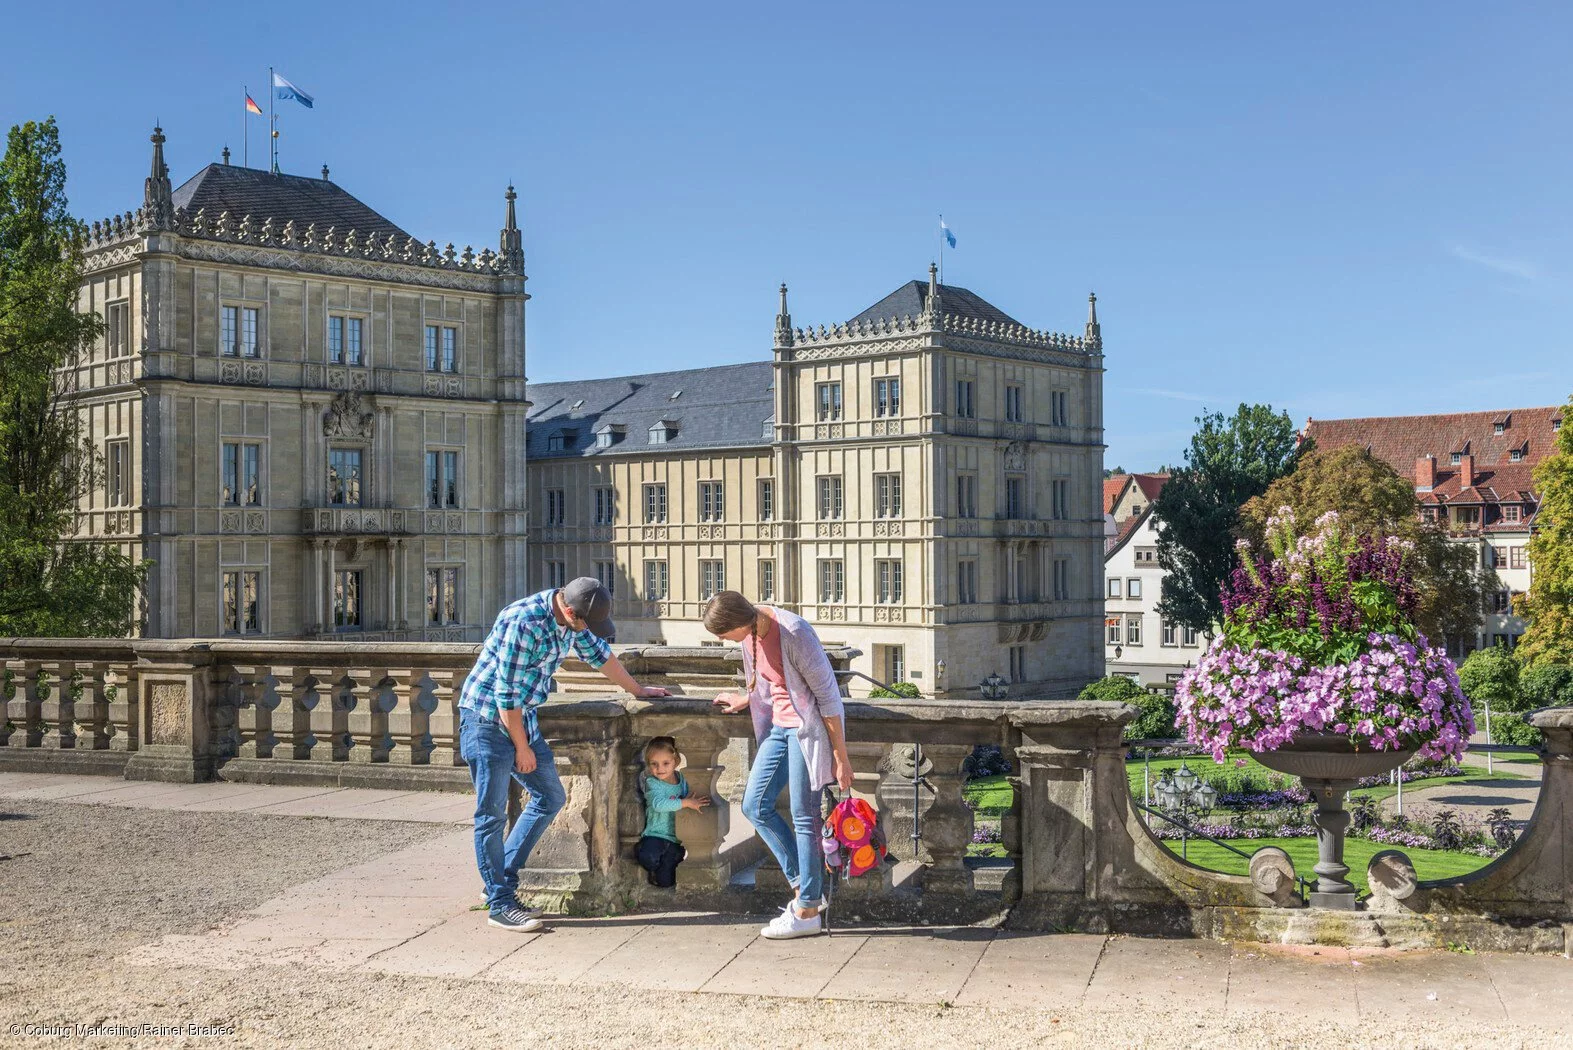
(779, 764)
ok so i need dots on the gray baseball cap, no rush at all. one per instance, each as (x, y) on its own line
(592, 603)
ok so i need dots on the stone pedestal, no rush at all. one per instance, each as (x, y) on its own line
(175, 698)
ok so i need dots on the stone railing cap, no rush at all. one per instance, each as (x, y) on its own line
(1072, 712)
(1551, 718)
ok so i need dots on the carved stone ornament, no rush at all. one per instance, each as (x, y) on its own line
(346, 417)
(1016, 456)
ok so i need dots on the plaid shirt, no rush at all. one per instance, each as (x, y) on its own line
(522, 652)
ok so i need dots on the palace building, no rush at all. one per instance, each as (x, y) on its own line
(922, 482)
(312, 423)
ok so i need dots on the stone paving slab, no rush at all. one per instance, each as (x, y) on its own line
(1178, 974)
(456, 947)
(1315, 983)
(1532, 992)
(563, 954)
(674, 956)
(1428, 985)
(797, 969)
(1033, 971)
(915, 965)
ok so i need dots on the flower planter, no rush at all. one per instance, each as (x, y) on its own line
(1329, 765)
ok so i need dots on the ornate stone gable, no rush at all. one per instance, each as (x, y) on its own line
(346, 418)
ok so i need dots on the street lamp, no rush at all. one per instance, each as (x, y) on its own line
(994, 687)
(1181, 791)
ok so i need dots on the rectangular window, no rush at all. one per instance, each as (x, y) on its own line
(249, 346)
(655, 504)
(442, 596)
(229, 331)
(1133, 630)
(556, 573)
(1062, 579)
(442, 348)
(887, 572)
(242, 475)
(450, 349)
(965, 406)
(431, 348)
(966, 495)
(1499, 557)
(1060, 490)
(1146, 555)
(1058, 415)
(605, 506)
(1190, 637)
(655, 581)
(712, 502)
(242, 591)
(336, 340)
(967, 582)
(1516, 455)
(1111, 628)
(832, 580)
(346, 600)
(1466, 515)
(1133, 587)
(887, 495)
(117, 474)
(556, 499)
(1516, 558)
(1512, 512)
(1015, 501)
(1018, 664)
(1500, 602)
(1013, 399)
(562, 441)
(1114, 586)
(712, 579)
(117, 329)
(887, 397)
(606, 575)
(829, 498)
(767, 499)
(767, 581)
(352, 340)
(827, 401)
(894, 664)
(1171, 633)
(442, 479)
(344, 477)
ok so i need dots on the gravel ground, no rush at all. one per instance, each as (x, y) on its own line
(82, 884)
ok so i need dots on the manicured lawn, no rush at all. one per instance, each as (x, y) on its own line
(1204, 766)
(990, 796)
(1429, 863)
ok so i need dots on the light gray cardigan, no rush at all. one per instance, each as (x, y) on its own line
(811, 682)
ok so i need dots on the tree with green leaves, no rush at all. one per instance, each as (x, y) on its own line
(1373, 499)
(51, 583)
(1491, 676)
(1231, 460)
(1549, 603)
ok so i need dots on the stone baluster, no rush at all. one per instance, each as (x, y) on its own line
(947, 826)
(443, 717)
(292, 718)
(255, 705)
(24, 706)
(375, 702)
(125, 723)
(703, 831)
(900, 806)
(606, 765)
(1010, 838)
(56, 707)
(92, 709)
(355, 715)
(321, 702)
(409, 721)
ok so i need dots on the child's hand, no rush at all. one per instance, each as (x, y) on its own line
(731, 703)
(696, 802)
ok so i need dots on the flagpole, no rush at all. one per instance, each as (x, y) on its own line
(245, 127)
(941, 247)
(273, 128)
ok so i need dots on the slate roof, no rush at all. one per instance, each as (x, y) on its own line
(909, 299)
(727, 406)
(242, 191)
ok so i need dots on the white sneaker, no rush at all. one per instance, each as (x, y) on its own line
(788, 925)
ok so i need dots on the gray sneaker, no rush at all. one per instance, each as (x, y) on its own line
(514, 918)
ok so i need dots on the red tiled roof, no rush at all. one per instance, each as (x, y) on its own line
(1400, 440)
(1112, 488)
(1127, 529)
(1151, 484)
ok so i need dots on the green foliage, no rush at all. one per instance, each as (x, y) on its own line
(1549, 603)
(1492, 676)
(51, 583)
(899, 691)
(1372, 499)
(1545, 685)
(1115, 687)
(1156, 722)
(1230, 461)
(1512, 729)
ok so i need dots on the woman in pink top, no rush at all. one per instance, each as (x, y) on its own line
(795, 702)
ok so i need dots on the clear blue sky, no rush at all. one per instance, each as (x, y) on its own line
(1346, 210)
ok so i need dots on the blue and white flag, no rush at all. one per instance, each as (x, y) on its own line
(285, 90)
(950, 238)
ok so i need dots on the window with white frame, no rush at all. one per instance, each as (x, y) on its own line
(887, 495)
(1013, 403)
(655, 581)
(767, 499)
(344, 339)
(1515, 455)
(1015, 497)
(887, 574)
(242, 482)
(966, 406)
(1115, 583)
(887, 396)
(556, 573)
(442, 478)
(117, 473)
(1062, 579)
(1059, 414)
(712, 501)
(830, 505)
(442, 348)
(347, 611)
(556, 506)
(966, 495)
(827, 402)
(1146, 555)
(767, 581)
(1133, 629)
(712, 578)
(1516, 558)
(117, 329)
(1018, 664)
(893, 663)
(1133, 587)
(442, 595)
(1060, 491)
(832, 580)
(605, 505)
(241, 598)
(1512, 513)
(967, 581)
(1191, 635)
(606, 575)
(1111, 629)
(344, 477)
(1170, 632)
(1501, 602)
(655, 504)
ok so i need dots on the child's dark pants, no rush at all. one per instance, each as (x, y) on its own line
(660, 857)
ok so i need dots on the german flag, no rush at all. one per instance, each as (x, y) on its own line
(252, 107)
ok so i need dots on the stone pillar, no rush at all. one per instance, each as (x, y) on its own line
(330, 617)
(902, 805)
(175, 697)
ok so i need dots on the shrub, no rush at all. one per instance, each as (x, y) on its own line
(1447, 830)
(986, 760)
(1156, 722)
(1115, 687)
(1544, 685)
(899, 691)
(1513, 730)
(1491, 675)
(1364, 812)
(1501, 827)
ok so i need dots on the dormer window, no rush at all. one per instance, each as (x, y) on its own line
(1516, 455)
(1556, 424)
(663, 432)
(1457, 458)
(1499, 427)
(609, 435)
(562, 441)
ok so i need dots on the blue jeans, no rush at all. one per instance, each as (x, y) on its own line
(780, 764)
(489, 753)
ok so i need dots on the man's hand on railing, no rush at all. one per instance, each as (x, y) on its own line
(732, 703)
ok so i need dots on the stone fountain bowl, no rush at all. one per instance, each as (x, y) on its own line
(1328, 756)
